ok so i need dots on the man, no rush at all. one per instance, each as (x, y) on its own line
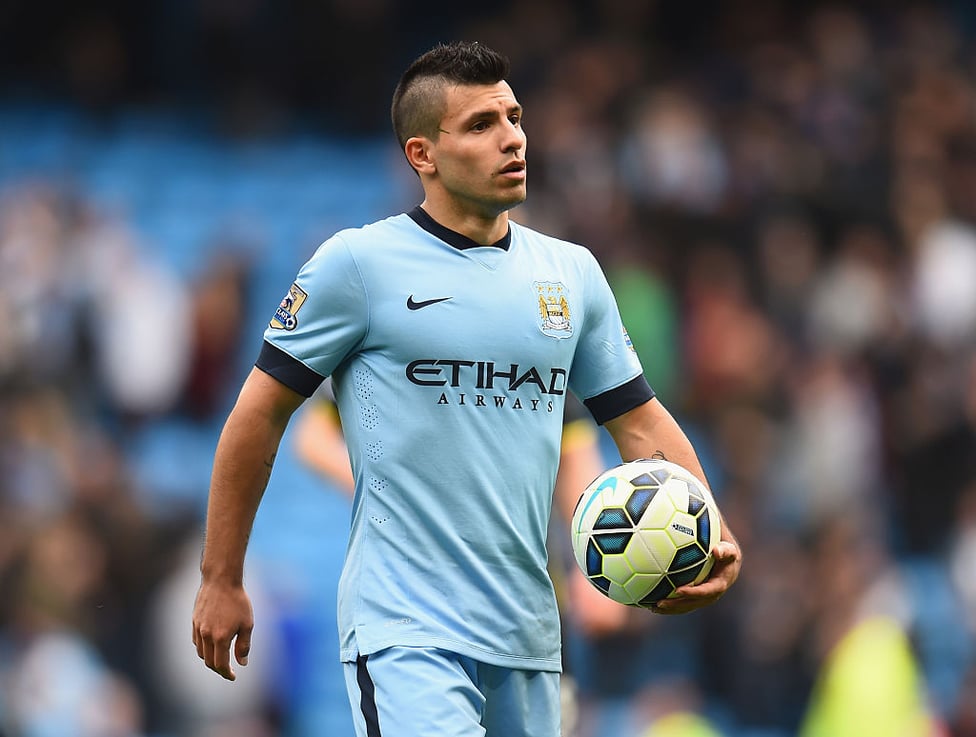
(452, 336)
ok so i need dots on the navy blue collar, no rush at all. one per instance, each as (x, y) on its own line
(420, 216)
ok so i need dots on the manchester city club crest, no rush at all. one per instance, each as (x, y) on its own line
(554, 310)
(286, 316)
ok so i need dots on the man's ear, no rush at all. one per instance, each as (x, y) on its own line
(418, 152)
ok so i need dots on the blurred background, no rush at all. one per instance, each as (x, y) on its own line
(783, 196)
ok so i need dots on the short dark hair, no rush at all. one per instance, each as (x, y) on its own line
(418, 101)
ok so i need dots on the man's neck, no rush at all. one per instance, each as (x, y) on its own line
(486, 230)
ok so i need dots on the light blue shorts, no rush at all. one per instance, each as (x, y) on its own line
(423, 692)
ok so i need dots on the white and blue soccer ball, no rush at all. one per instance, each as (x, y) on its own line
(643, 528)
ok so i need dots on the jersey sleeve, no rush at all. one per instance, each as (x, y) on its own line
(606, 373)
(321, 320)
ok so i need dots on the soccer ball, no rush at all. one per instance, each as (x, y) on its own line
(644, 528)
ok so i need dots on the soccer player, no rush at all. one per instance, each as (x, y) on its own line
(452, 335)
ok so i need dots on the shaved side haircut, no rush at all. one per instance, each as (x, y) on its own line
(419, 99)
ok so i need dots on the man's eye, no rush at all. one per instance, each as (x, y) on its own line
(480, 126)
(515, 120)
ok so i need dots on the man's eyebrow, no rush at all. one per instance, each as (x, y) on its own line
(488, 113)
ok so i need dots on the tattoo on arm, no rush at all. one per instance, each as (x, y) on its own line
(268, 465)
(659, 455)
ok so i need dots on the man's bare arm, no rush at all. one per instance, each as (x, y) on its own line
(242, 467)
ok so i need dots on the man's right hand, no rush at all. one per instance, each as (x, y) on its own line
(222, 614)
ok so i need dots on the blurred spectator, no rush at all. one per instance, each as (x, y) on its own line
(141, 334)
(39, 306)
(853, 306)
(870, 680)
(56, 681)
(945, 284)
(871, 685)
(672, 157)
(730, 348)
(218, 309)
(789, 260)
(60, 686)
(834, 450)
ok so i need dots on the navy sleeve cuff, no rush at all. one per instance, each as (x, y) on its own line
(619, 400)
(289, 371)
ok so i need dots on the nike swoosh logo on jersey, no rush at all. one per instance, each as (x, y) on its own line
(411, 305)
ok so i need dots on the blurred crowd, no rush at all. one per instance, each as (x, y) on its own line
(784, 199)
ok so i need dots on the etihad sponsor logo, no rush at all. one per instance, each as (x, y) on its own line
(488, 384)
(484, 375)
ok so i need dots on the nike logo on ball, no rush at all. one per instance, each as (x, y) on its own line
(411, 305)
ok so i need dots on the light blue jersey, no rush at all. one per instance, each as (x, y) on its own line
(450, 365)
